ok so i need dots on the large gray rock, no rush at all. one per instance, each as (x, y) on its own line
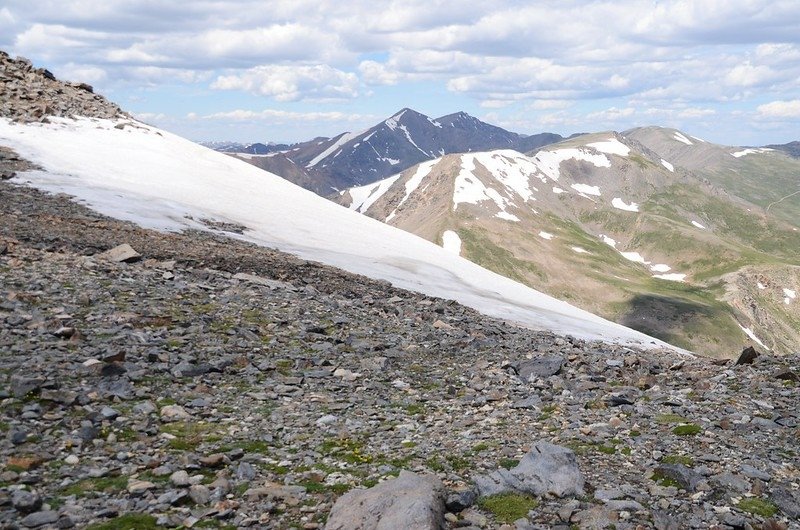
(546, 470)
(411, 502)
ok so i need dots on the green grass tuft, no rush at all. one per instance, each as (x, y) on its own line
(508, 507)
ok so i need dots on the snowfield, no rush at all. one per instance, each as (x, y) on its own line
(156, 179)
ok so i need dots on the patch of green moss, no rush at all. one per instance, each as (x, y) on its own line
(664, 480)
(128, 521)
(508, 463)
(757, 506)
(508, 507)
(687, 461)
(99, 484)
(665, 419)
(689, 429)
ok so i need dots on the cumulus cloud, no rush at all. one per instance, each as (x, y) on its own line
(292, 83)
(687, 60)
(780, 109)
(284, 116)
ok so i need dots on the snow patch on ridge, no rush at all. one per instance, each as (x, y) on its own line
(585, 188)
(621, 205)
(611, 146)
(751, 151)
(681, 138)
(549, 162)
(365, 196)
(749, 333)
(608, 241)
(672, 277)
(668, 165)
(451, 242)
(789, 295)
(546, 235)
(698, 225)
(343, 139)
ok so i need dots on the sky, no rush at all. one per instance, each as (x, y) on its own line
(727, 71)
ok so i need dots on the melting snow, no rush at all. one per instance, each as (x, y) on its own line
(673, 277)
(749, 333)
(620, 205)
(451, 242)
(469, 189)
(790, 295)
(156, 179)
(750, 151)
(507, 216)
(611, 146)
(546, 235)
(343, 139)
(681, 138)
(667, 165)
(635, 256)
(408, 137)
(698, 225)
(761, 286)
(558, 190)
(585, 188)
(511, 168)
(423, 170)
(580, 250)
(549, 162)
(660, 267)
(608, 241)
(365, 196)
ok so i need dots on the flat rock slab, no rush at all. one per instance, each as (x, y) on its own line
(122, 253)
(411, 502)
(547, 469)
(540, 367)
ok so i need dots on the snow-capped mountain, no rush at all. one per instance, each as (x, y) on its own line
(618, 224)
(402, 140)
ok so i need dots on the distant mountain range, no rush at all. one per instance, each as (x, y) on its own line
(327, 165)
(688, 241)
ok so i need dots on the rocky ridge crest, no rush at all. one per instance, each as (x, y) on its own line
(32, 94)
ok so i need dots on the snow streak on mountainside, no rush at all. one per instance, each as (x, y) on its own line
(159, 180)
(391, 146)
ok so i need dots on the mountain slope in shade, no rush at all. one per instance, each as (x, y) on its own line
(403, 140)
(791, 148)
(139, 173)
(606, 222)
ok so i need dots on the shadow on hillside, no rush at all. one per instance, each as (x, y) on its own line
(663, 317)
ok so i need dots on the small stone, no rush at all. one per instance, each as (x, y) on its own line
(71, 460)
(199, 494)
(215, 460)
(174, 413)
(179, 478)
(138, 487)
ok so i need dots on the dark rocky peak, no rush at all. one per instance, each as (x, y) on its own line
(32, 94)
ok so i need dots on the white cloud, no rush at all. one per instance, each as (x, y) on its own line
(292, 83)
(780, 109)
(284, 115)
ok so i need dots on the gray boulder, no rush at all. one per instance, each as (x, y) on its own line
(411, 502)
(547, 469)
(540, 367)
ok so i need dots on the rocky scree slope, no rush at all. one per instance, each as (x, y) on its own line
(210, 383)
